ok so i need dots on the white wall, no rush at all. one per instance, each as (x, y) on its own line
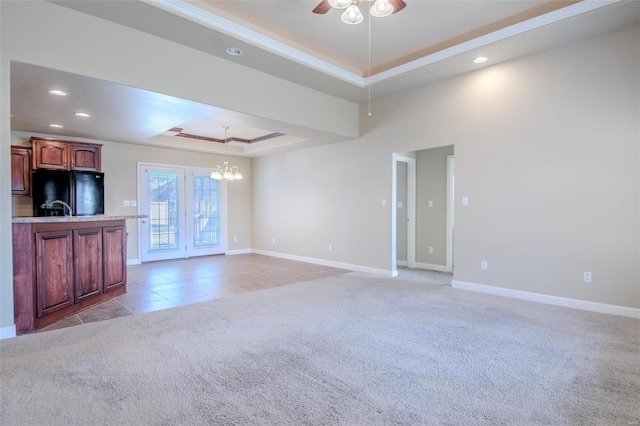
(546, 150)
(44, 34)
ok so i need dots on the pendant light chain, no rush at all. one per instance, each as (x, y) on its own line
(369, 73)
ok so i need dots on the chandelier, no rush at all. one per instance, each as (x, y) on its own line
(226, 172)
(352, 14)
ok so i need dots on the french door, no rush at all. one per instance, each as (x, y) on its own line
(186, 212)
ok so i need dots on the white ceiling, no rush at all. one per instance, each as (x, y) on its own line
(426, 41)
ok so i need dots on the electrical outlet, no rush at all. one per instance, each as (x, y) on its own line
(384, 203)
(484, 265)
(430, 250)
(465, 201)
(273, 240)
(235, 239)
(330, 247)
(587, 276)
(430, 203)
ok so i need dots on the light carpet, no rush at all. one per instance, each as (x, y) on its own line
(353, 349)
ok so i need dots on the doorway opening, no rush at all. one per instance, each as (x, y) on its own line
(423, 197)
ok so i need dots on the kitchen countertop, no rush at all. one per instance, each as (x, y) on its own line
(96, 218)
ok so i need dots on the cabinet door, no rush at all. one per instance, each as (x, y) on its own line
(87, 246)
(54, 277)
(20, 170)
(85, 157)
(115, 256)
(50, 155)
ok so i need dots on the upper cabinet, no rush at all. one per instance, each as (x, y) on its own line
(20, 170)
(63, 155)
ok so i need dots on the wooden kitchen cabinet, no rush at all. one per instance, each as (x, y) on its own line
(54, 276)
(87, 268)
(114, 256)
(20, 170)
(61, 267)
(65, 155)
(85, 156)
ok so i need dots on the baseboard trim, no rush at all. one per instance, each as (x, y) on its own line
(7, 332)
(323, 262)
(239, 251)
(584, 305)
(133, 262)
(433, 267)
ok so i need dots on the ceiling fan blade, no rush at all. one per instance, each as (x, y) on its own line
(322, 8)
(398, 5)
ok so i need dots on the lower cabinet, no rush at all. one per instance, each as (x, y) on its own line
(61, 268)
(54, 262)
(88, 263)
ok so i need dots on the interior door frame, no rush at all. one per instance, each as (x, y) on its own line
(411, 211)
(450, 210)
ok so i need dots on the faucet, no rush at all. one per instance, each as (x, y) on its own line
(58, 203)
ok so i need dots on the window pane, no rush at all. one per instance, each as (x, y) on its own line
(163, 208)
(206, 216)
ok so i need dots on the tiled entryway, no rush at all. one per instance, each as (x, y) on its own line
(160, 285)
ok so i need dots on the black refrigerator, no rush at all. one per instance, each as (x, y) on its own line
(82, 191)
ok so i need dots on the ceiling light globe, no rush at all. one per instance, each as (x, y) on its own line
(381, 8)
(352, 15)
(340, 4)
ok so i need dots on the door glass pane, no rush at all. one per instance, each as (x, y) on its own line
(205, 212)
(163, 211)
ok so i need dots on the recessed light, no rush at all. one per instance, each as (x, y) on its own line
(57, 126)
(480, 59)
(81, 114)
(57, 92)
(234, 51)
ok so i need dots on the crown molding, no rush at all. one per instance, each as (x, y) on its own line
(232, 29)
(502, 34)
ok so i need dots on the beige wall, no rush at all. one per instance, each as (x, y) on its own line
(431, 222)
(74, 42)
(546, 150)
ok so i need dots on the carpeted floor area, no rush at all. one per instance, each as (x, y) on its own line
(352, 349)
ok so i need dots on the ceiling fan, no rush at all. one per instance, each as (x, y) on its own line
(352, 14)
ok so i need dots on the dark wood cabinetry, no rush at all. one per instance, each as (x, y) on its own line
(62, 267)
(54, 276)
(115, 258)
(65, 155)
(20, 170)
(88, 262)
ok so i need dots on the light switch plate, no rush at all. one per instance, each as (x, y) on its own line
(465, 201)
(125, 203)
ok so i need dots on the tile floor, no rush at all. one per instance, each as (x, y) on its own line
(160, 285)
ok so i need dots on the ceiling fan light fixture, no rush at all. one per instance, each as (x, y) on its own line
(382, 8)
(352, 15)
(340, 4)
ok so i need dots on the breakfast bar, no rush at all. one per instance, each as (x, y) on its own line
(62, 265)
